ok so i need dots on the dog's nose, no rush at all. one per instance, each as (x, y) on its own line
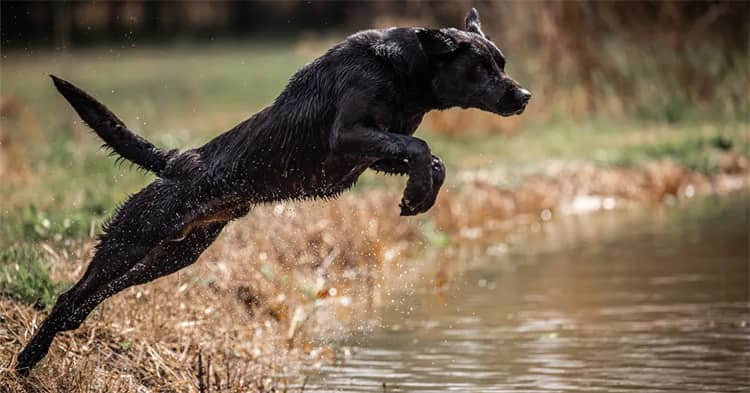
(524, 95)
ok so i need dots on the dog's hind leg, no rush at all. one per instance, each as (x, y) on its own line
(102, 268)
(163, 260)
(72, 307)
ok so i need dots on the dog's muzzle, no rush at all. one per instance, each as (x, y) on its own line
(514, 102)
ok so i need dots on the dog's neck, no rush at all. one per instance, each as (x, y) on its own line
(415, 84)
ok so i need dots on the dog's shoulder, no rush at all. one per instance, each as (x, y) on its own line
(398, 46)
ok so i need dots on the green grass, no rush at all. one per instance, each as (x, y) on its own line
(33, 225)
(625, 143)
(700, 154)
(24, 276)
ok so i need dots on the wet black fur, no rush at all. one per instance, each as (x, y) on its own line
(354, 108)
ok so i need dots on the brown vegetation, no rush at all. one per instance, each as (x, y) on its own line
(13, 160)
(279, 285)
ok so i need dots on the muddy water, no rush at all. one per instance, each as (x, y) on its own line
(648, 301)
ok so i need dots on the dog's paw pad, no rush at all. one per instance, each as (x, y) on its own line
(406, 209)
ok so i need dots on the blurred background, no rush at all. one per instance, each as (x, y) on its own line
(665, 61)
(181, 72)
(638, 103)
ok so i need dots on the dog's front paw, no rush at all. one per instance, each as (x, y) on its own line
(438, 176)
(415, 196)
(407, 209)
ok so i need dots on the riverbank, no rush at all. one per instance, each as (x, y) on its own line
(574, 304)
(280, 284)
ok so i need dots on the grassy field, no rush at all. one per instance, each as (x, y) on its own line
(58, 185)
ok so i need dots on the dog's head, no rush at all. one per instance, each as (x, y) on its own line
(469, 70)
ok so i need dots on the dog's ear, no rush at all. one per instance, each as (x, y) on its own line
(436, 42)
(472, 23)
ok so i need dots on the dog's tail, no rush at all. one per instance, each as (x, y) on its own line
(112, 130)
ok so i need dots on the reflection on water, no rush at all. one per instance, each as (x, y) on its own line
(654, 303)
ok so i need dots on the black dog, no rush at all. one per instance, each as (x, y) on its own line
(354, 108)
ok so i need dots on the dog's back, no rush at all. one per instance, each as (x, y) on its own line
(291, 138)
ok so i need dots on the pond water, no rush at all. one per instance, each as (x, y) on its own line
(654, 300)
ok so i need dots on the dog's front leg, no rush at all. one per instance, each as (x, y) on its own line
(366, 142)
(401, 167)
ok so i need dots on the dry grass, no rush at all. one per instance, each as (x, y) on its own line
(486, 200)
(281, 284)
(272, 282)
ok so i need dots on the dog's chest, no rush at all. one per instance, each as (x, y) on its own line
(341, 172)
(402, 123)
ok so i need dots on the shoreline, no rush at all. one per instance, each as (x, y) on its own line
(295, 276)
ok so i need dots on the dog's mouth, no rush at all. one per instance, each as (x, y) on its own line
(505, 112)
(511, 113)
